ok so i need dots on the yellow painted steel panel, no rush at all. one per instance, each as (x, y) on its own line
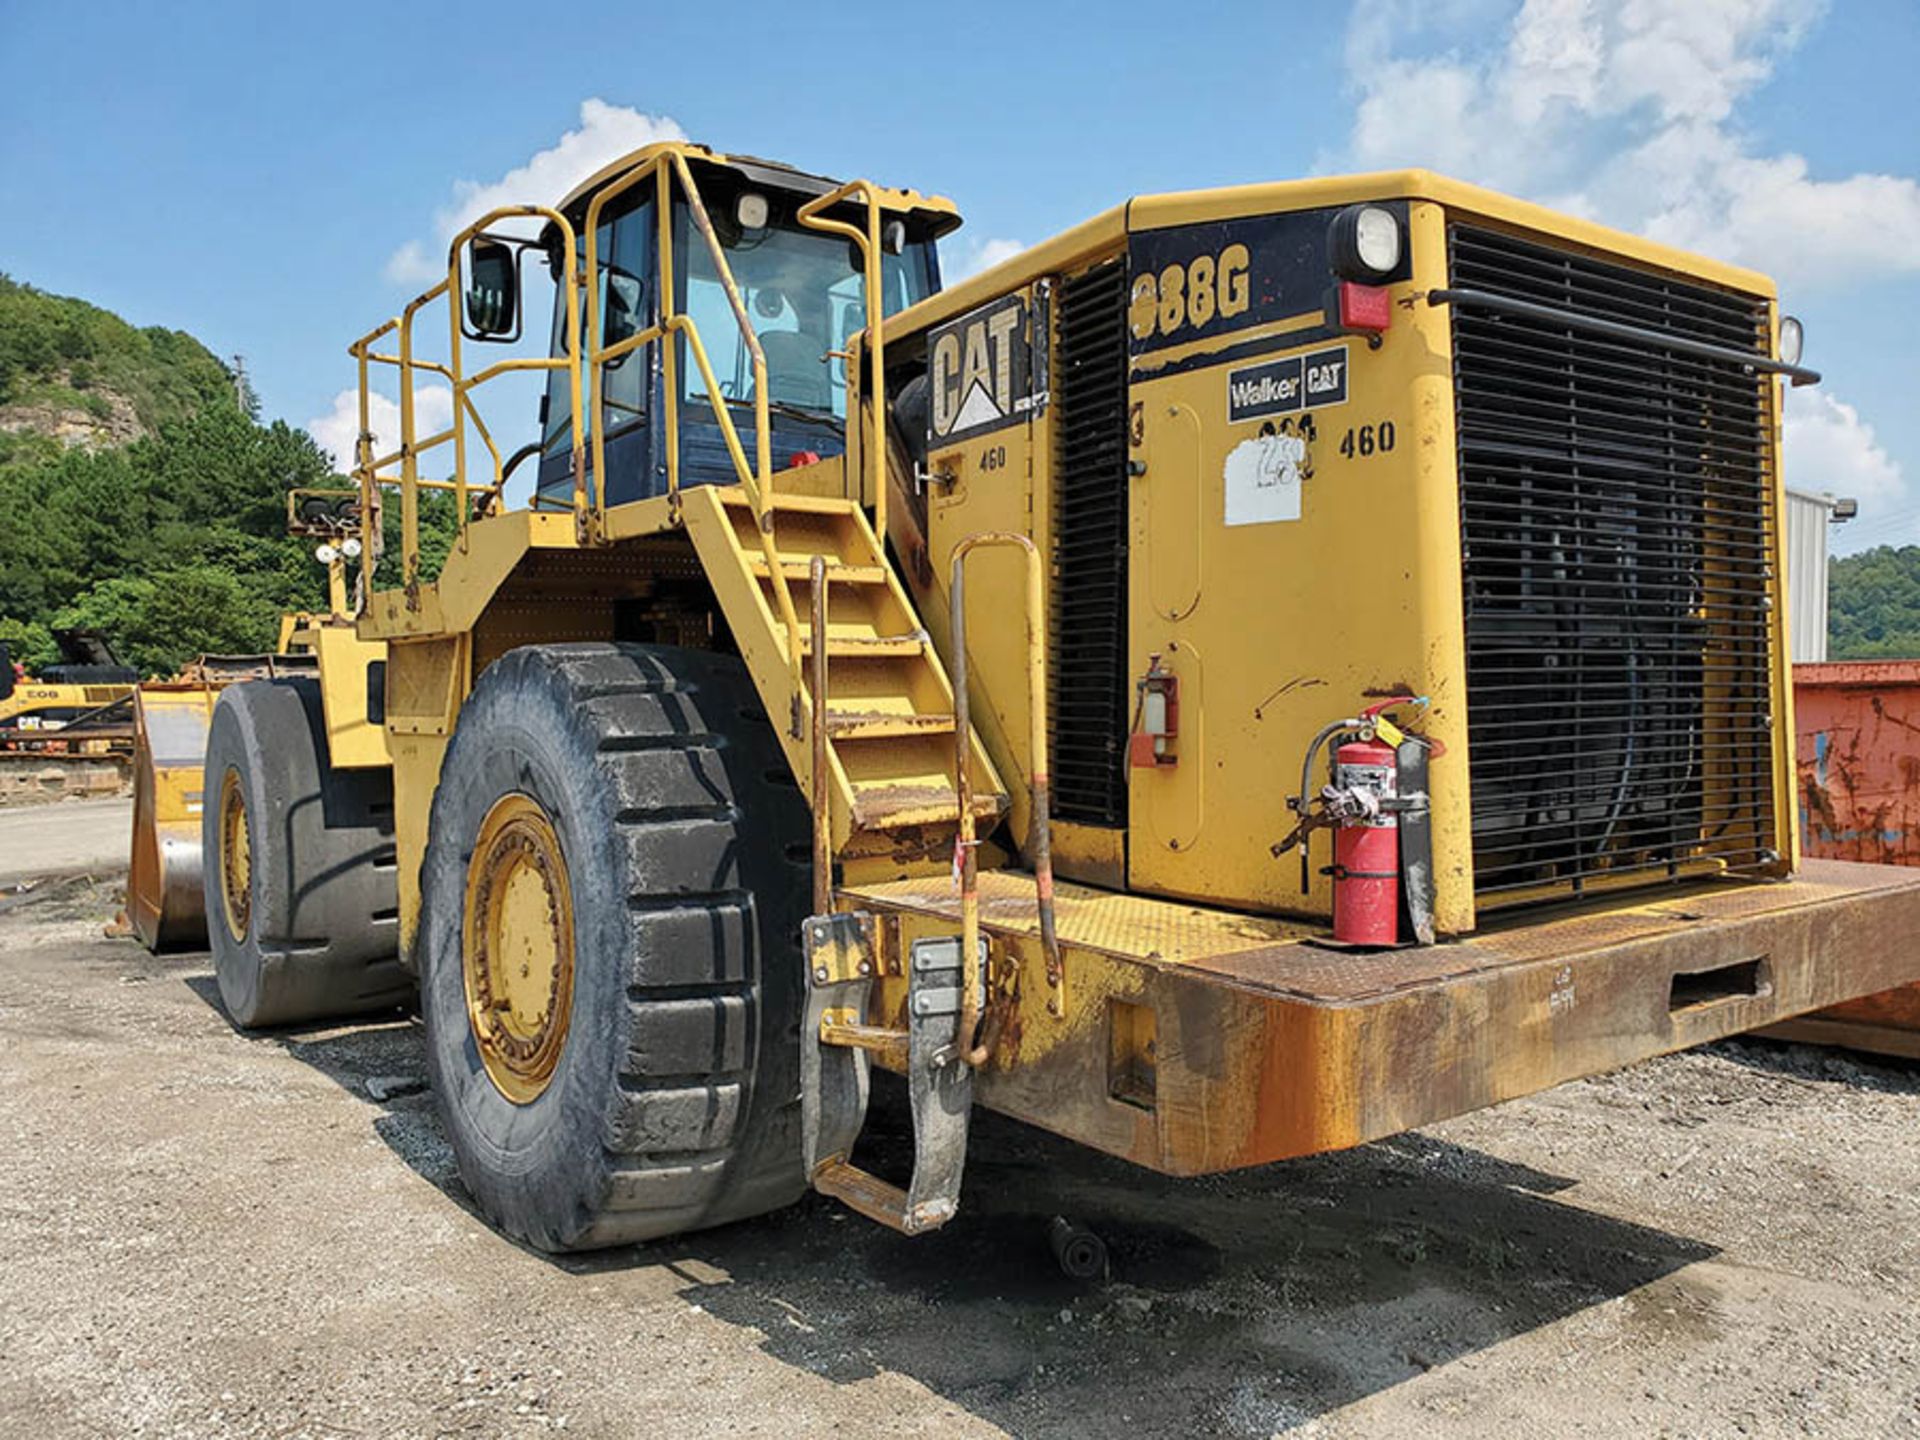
(1267, 1047)
(1283, 605)
(352, 742)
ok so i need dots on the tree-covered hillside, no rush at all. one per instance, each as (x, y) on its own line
(140, 495)
(60, 353)
(173, 541)
(1873, 608)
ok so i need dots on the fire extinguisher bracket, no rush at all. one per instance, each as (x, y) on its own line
(1156, 718)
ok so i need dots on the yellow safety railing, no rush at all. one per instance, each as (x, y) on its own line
(667, 171)
(756, 479)
(874, 460)
(373, 471)
(1040, 842)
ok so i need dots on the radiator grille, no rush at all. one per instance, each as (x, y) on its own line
(1616, 516)
(1089, 611)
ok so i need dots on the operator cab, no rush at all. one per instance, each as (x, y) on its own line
(804, 292)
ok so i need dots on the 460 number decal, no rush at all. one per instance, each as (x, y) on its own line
(1363, 441)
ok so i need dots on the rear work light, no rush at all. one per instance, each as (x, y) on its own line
(1364, 308)
(1793, 339)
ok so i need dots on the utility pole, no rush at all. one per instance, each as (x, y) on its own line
(242, 390)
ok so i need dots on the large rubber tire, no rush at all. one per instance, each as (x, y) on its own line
(675, 1102)
(320, 936)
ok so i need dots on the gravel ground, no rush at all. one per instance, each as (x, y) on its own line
(207, 1234)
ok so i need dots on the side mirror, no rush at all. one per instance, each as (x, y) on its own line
(493, 290)
(6, 672)
(893, 237)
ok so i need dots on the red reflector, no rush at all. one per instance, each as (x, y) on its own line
(1364, 307)
(803, 457)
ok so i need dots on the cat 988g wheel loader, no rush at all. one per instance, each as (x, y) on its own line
(1266, 669)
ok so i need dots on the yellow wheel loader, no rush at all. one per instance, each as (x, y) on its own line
(78, 705)
(172, 720)
(1266, 669)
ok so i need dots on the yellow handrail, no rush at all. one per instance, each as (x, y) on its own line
(1040, 843)
(758, 487)
(755, 474)
(756, 480)
(463, 385)
(368, 468)
(874, 460)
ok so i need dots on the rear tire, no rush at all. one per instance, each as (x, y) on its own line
(298, 872)
(673, 1101)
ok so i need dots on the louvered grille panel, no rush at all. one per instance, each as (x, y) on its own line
(1089, 611)
(1616, 513)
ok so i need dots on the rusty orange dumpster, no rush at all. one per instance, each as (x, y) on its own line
(1857, 725)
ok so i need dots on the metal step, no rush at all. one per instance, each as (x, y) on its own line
(841, 962)
(885, 806)
(799, 570)
(734, 498)
(884, 725)
(866, 647)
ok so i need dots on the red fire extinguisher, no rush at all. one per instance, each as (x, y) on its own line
(1362, 805)
(1366, 844)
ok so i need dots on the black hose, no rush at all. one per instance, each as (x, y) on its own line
(1633, 715)
(531, 448)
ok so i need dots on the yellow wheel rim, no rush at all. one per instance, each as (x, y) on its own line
(517, 949)
(236, 856)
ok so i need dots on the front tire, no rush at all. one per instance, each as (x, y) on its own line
(612, 894)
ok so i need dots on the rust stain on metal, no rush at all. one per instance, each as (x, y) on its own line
(1859, 763)
(1859, 770)
(1269, 1046)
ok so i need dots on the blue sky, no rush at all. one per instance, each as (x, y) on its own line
(266, 176)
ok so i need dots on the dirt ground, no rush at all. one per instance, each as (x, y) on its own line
(205, 1234)
(63, 837)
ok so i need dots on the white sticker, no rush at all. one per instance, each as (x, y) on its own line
(1263, 479)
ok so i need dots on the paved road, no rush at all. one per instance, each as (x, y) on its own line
(206, 1234)
(64, 837)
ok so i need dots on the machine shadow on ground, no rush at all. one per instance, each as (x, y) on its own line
(1804, 1064)
(1235, 1304)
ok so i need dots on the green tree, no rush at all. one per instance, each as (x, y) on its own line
(176, 543)
(28, 642)
(45, 339)
(1873, 607)
(158, 623)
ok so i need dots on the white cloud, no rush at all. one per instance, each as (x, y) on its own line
(1625, 110)
(1770, 213)
(337, 430)
(1830, 448)
(605, 133)
(981, 255)
(409, 265)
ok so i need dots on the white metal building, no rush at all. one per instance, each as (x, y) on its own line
(1808, 516)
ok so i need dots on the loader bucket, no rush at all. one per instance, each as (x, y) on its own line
(164, 902)
(165, 906)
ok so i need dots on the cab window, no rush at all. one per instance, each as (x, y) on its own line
(625, 286)
(805, 296)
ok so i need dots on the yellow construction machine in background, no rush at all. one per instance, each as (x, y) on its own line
(78, 705)
(166, 906)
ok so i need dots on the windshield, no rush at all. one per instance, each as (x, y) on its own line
(805, 296)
